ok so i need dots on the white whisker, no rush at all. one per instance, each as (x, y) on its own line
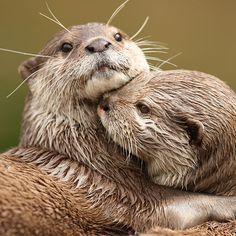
(9, 95)
(141, 28)
(24, 53)
(151, 43)
(55, 18)
(141, 39)
(153, 68)
(47, 17)
(152, 48)
(156, 51)
(167, 61)
(118, 9)
(162, 61)
(24, 81)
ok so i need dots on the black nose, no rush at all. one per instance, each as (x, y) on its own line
(104, 105)
(98, 45)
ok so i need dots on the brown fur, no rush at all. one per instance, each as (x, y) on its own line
(62, 136)
(187, 136)
(206, 229)
(33, 203)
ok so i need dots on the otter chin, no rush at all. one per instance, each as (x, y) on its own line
(182, 124)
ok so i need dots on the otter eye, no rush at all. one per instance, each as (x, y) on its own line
(66, 47)
(143, 108)
(118, 37)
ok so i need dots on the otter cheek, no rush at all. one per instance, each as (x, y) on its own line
(137, 60)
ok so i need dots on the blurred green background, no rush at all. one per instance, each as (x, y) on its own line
(203, 30)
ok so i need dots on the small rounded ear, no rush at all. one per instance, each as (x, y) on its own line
(193, 127)
(195, 130)
(28, 67)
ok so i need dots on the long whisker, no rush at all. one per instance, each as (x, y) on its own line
(152, 67)
(162, 61)
(118, 9)
(24, 81)
(16, 89)
(141, 39)
(151, 44)
(55, 18)
(47, 17)
(141, 28)
(24, 53)
(154, 58)
(152, 48)
(153, 51)
(168, 60)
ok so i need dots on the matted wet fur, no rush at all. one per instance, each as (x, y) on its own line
(182, 124)
(34, 203)
(62, 135)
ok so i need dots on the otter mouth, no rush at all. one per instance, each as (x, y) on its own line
(105, 76)
(105, 70)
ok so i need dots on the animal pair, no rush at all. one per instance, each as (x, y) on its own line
(61, 133)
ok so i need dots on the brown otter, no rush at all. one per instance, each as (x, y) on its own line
(62, 135)
(182, 123)
(33, 203)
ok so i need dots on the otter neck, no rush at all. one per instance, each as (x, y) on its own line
(220, 177)
(76, 134)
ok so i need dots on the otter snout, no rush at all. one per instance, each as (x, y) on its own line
(98, 45)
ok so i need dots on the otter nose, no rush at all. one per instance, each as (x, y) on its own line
(98, 45)
(104, 105)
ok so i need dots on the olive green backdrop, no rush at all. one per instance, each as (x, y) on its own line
(203, 30)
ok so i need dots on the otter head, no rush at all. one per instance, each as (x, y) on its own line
(84, 62)
(65, 81)
(174, 121)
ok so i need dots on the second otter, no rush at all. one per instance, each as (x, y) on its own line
(182, 124)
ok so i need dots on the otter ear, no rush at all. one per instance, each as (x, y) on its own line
(193, 127)
(28, 67)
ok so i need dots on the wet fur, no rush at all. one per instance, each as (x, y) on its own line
(188, 138)
(34, 203)
(62, 136)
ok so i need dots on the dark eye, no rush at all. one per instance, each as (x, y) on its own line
(143, 108)
(118, 37)
(66, 47)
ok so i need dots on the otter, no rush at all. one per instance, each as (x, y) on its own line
(62, 134)
(182, 124)
(33, 203)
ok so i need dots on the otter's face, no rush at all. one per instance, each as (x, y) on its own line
(144, 118)
(83, 62)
